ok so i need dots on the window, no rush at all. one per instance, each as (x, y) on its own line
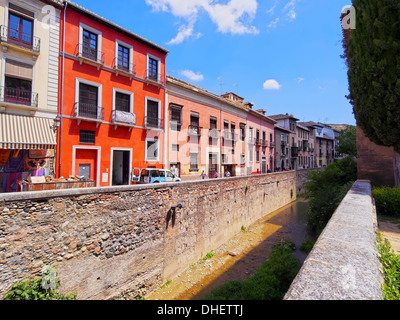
(152, 69)
(257, 156)
(251, 155)
(122, 102)
(151, 149)
(89, 45)
(175, 147)
(194, 124)
(87, 137)
(18, 91)
(88, 101)
(123, 58)
(176, 119)
(251, 136)
(242, 131)
(194, 161)
(153, 113)
(20, 29)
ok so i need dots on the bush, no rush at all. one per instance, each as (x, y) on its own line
(326, 189)
(387, 201)
(270, 282)
(391, 269)
(38, 289)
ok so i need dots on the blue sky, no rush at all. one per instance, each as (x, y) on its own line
(282, 55)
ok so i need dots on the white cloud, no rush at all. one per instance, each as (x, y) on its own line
(274, 23)
(300, 79)
(290, 9)
(271, 85)
(234, 17)
(193, 76)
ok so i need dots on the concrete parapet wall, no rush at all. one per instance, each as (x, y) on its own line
(122, 242)
(344, 263)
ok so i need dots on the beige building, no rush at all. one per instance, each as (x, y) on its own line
(29, 81)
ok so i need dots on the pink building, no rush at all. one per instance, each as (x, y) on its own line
(261, 141)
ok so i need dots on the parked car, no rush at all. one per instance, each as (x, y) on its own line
(153, 176)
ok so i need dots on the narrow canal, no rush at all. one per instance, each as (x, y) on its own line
(240, 257)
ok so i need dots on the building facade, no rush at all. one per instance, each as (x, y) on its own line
(29, 77)
(112, 99)
(282, 148)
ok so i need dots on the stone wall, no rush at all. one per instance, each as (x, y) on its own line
(122, 242)
(344, 264)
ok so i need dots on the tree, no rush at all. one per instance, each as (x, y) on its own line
(348, 141)
(372, 51)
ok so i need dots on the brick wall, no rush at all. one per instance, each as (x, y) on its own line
(375, 163)
(123, 242)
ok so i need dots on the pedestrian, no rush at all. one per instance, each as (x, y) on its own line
(216, 175)
(203, 175)
(227, 174)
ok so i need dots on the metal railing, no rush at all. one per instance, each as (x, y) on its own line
(19, 96)
(88, 111)
(17, 37)
(86, 52)
(155, 77)
(230, 136)
(152, 122)
(213, 133)
(194, 130)
(124, 67)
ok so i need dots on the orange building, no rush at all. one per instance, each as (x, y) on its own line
(112, 92)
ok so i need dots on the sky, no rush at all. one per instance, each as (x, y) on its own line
(281, 55)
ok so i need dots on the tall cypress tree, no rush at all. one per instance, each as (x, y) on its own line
(372, 51)
(373, 57)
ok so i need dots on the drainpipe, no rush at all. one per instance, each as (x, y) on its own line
(62, 91)
(166, 123)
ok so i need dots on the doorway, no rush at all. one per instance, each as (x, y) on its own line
(120, 167)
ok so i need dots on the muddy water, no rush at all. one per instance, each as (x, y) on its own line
(240, 257)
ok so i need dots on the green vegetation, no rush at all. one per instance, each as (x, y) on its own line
(38, 289)
(307, 246)
(373, 57)
(270, 282)
(166, 284)
(208, 256)
(326, 189)
(387, 201)
(391, 269)
(243, 229)
(348, 141)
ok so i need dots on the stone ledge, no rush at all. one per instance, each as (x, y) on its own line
(343, 264)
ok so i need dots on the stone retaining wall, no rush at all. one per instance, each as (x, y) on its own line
(122, 242)
(344, 263)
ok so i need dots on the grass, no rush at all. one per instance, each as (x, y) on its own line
(270, 282)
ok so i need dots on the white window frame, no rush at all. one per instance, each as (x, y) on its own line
(158, 148)
(131, 94)
(124, 44)
(99, 39)
(158, 66)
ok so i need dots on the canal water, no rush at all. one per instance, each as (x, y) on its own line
(240, 257)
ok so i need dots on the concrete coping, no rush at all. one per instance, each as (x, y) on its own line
(61, 193)
(344, 264)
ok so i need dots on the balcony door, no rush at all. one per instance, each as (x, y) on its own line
(89, 45)
(88, 101)
(20, 30)
(152, 115)
(18, 91)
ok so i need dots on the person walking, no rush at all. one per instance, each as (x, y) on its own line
(203, 175)
(216, 175)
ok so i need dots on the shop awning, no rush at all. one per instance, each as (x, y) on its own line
(22, 132)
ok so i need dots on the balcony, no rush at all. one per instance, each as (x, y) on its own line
(154, 123)
(154, 79)
(229, 136)
(122, 118)
(264, 143)
(194, 130)
(23, 42)
(272, 144)
(127, 70)
(213, 133)
(89, 112)
(90, 56)
(19, 97)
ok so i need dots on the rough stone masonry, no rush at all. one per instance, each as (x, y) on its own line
(122, 242)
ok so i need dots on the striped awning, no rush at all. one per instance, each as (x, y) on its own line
(22, 132)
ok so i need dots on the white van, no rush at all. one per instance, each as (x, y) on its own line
(153, 176)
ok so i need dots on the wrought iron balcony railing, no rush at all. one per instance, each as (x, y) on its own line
(229, 135)
(126, 69)
(16, 37)
(194, 130)
(89, 55)
(89, 111)
(154, 123)
(19, 96)
(154, 78)
(213, 133)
